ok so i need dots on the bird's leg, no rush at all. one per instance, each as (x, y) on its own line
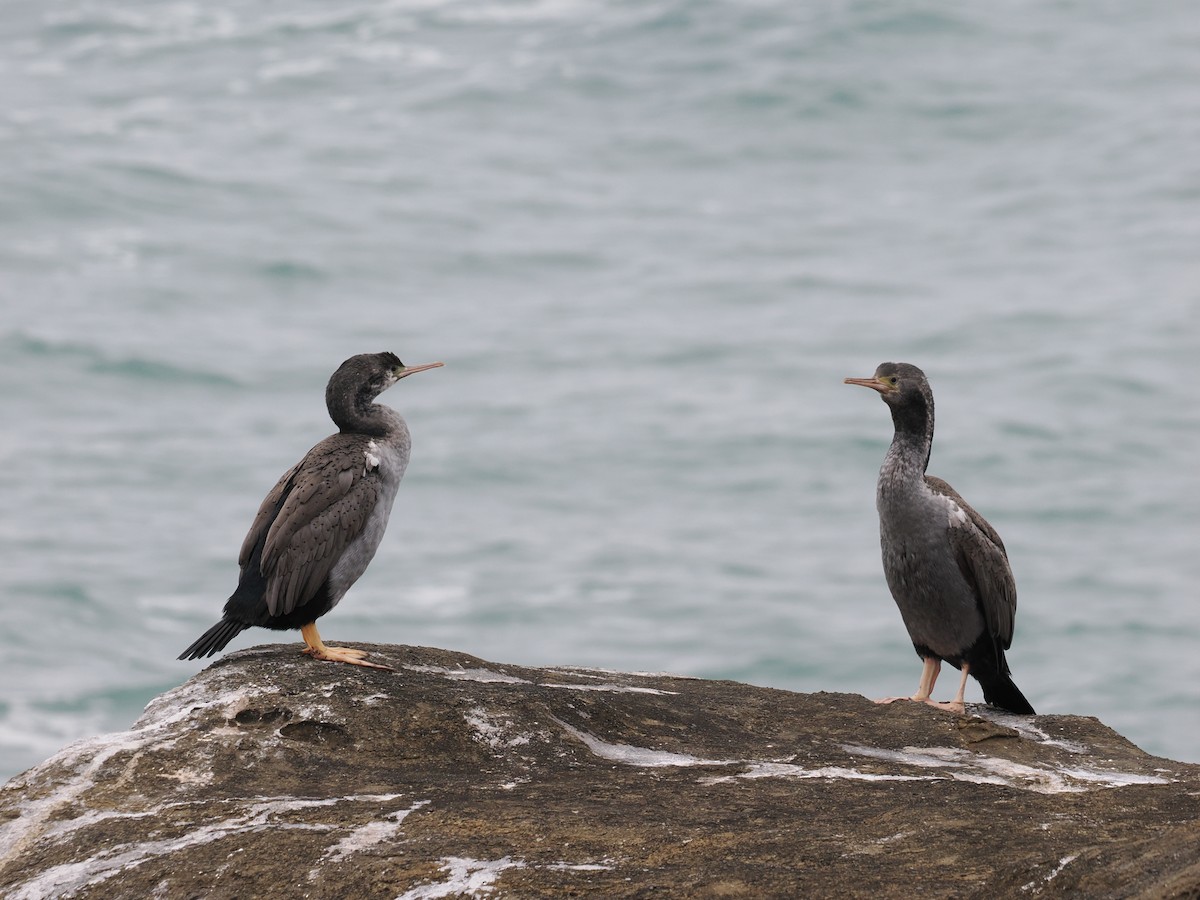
(317, 649)
(957, 705)
(929, 676)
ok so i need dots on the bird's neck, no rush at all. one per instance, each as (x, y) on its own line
(908, 456)
(364, 416)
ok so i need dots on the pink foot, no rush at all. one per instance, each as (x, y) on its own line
(345, 655)
(954, 706)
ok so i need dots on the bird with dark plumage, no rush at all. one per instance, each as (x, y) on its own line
(319, 527)
(945, 565)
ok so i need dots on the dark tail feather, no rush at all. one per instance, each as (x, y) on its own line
(1000, 691)
(214, 640)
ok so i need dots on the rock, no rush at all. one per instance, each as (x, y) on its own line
(272, 775)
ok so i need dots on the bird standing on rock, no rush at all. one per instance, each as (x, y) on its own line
(319, 527)
(945, 565)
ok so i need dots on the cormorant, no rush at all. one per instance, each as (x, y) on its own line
(319, 527)
(945, 565)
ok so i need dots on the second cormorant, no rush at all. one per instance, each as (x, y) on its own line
(945, 565)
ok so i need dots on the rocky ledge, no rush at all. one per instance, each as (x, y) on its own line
(273, 775)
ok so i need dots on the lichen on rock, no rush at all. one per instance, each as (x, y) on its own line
(273, 775)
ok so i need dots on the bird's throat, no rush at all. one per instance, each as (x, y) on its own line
(906, 461)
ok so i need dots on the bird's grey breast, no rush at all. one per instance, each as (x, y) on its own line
(384, 461)
(919, 563)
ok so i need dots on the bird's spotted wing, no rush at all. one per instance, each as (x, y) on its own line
(267, 514)
(332, 492)
(983, 561)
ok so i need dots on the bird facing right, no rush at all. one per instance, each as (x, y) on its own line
(319, 527)
(945, 565)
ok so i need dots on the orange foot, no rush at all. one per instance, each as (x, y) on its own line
(317, 649)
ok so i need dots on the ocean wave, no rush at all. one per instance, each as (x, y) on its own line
(18, 346)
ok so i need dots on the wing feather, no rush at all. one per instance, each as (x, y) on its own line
(983, 561)
(266, 515)
(326, 500)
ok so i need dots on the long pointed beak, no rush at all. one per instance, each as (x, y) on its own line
(412, 370)
(873, 383)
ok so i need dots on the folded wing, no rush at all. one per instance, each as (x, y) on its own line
(983, 562)
(323, 504)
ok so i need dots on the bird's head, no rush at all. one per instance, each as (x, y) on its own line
(899, 384)
(905, 389)
(360, 379)
(385, 369)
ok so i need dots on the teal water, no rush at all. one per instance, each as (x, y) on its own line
(649, 240)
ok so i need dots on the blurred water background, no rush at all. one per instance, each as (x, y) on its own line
(648, 238)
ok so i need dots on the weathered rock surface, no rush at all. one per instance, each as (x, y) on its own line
(273, 775)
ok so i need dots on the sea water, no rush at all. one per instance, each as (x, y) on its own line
(649, 239)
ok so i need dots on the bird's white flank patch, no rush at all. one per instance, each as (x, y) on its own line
(371, 455)
(957, 515)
